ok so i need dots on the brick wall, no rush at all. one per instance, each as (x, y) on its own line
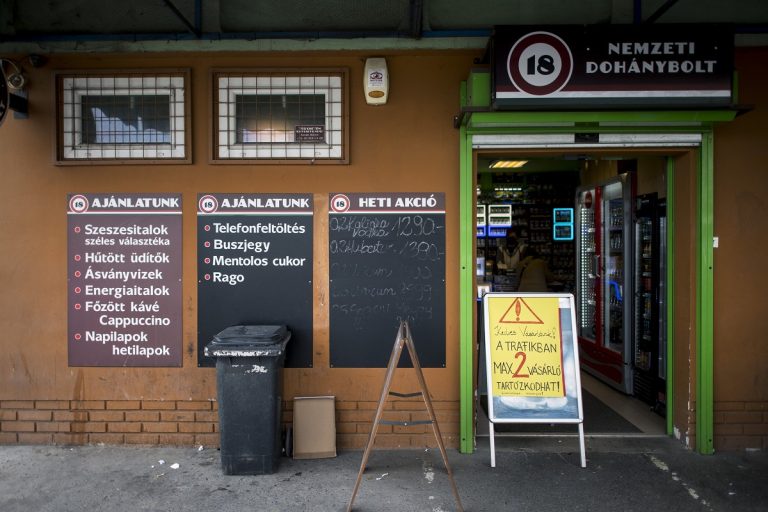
(354, 419)
(353, 424)
(738, 425)
(193, 423)
(741, 425)
(178, 423)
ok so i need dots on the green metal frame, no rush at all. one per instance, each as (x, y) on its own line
(626, 121)
(619, 122)
(705, 303)
(466, 291)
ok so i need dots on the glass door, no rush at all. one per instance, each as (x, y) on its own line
(587, 265)
(616, 283)
(661, 405)
(613, 255)
(650, 310)
(604, 287)
(646, 257)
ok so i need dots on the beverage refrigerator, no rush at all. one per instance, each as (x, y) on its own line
(604, 280)
(650, 355)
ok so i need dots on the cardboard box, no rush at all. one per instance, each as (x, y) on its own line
(314, 427)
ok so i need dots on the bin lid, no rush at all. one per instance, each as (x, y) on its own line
(249, 341)
(251, 335)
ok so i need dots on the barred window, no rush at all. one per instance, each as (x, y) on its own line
(122, 116)
(268, 115)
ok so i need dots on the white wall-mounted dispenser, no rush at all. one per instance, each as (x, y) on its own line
(376, 81)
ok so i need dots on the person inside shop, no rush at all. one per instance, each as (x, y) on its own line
(535, 276)
(512, 250)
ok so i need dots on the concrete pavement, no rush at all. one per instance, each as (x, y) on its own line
(540, 474)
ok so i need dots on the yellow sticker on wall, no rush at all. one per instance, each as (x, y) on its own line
(526, 350)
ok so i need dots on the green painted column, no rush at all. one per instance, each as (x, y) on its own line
(466, 293)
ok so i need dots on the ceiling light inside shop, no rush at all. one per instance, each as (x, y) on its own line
(507, 164)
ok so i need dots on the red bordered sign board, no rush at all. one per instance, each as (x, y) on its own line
(611, 66)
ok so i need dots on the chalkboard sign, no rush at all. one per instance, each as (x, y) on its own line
(387, 264)
(255, 268)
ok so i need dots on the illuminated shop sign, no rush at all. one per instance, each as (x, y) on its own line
(562, 224)
(612, 66)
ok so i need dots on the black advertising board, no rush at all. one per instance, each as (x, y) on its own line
(387, 264)
(254, 267)
(607, 66)
(124, 279)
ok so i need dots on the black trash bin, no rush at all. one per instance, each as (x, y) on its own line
(249, 361)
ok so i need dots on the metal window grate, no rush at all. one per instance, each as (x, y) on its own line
(267, 115)
(122, 116)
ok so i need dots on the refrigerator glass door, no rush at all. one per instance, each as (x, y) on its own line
(663, 300)
(644, 336)
(587, 264)
(613, 282)
(616, 285)
(649, 311)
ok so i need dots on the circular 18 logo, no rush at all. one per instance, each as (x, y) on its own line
(78, 204)
(540, 63)
(207, 204)
(340, 203)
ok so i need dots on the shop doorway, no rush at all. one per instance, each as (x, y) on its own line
(685, 139)
(598, 222)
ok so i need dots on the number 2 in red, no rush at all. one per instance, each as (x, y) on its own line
(517, 374)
